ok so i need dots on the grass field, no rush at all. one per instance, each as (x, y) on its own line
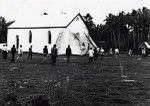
(77, 83)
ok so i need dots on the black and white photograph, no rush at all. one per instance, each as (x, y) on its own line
(74, 52)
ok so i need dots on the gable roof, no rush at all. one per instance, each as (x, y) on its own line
(75, 18)
(145, 45)
(43, 22)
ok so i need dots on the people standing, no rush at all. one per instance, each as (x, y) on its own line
(13, 52)
(54, 55)
(45, 53)
(68, 53)
(91, 54)
(30, 53)
(19, 52)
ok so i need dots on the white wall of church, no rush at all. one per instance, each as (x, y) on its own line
(39, 38)
(78, 26)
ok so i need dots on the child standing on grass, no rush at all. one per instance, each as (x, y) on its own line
(20, 52)
(91, 54)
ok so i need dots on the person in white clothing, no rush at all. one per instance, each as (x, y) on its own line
(102, 53)
(116, 52)
(98, 50)
(130, 52)
(19, 52)
(91, 54)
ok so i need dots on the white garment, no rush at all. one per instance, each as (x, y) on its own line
(116, 50)
(102, 50)
(110, 51)
(130, 52)
(20, 51)
(5, 49)
(98, 49)
(91, 53)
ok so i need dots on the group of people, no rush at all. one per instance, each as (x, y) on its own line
(93, 53)
(54, 53)
(13, 52)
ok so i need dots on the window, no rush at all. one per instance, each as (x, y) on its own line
(30, 37)
(77, 33)
(83, 44)
(49, 37)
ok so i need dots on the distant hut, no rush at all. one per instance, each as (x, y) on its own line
(145, 45)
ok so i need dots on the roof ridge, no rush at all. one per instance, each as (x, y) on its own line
(59, 26)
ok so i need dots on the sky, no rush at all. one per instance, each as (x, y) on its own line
(98, 9)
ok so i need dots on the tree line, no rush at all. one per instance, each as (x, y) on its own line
(124, 30)
(3, 29)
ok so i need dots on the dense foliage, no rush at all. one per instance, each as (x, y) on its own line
(3, 29)
(124, 30)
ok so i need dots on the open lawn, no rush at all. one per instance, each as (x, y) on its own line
(77, 83)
